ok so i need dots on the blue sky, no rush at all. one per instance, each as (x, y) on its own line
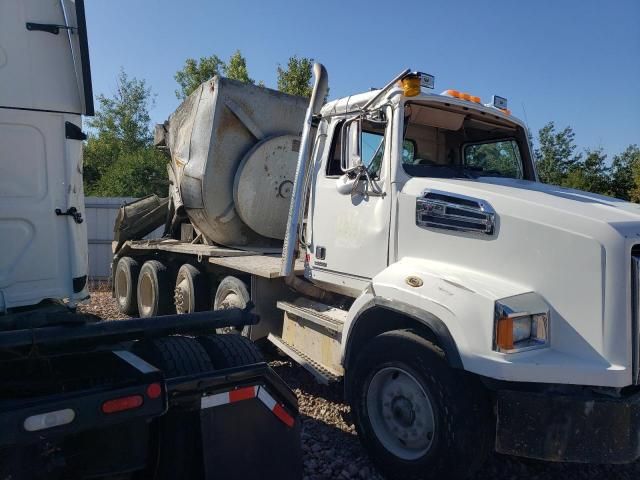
(576, 62)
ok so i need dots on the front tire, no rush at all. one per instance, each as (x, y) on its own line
(417, 417)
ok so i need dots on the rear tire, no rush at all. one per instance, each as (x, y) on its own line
(226, 351)
(125, 285)
(154, 292)
(177, 434)
(190, 293)
(417, 417)
(232, 293)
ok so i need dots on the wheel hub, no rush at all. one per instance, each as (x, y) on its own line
(400, 412)
(181, 297)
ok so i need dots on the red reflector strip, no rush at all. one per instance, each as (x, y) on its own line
(277, 409)
(242, 394)
(122, 404)
(283, 415)
(225, 398)
(247, 393)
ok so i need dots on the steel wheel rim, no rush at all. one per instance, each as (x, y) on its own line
(121, 286)
(145, 295)
(400, 413)
(230, 300)
(182, 296)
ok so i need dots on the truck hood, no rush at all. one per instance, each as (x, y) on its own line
(506, 194)
(570, 247)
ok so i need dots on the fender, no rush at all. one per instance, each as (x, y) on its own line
(455, 303)
(437, 326)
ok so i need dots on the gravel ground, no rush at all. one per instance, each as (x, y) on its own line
(330, 444)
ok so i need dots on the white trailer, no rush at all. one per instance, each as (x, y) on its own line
(466, 306)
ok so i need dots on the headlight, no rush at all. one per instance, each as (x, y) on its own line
(521, 323)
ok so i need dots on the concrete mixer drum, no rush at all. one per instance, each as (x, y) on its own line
(263, 183)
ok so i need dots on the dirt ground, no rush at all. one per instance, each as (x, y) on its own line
(330, 444)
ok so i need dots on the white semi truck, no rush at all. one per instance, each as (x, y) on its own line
(400, 240)
(148, 398)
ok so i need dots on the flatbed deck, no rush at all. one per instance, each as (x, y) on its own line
(265, 264)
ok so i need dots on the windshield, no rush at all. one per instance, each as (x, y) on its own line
(445, 144)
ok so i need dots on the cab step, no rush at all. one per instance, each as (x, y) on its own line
(321, 373)
(323, 315)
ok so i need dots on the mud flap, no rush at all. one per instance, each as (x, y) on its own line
(249, 434)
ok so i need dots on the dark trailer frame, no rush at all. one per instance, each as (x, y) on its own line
(106, 410)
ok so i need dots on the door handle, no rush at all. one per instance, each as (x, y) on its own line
(73, 213)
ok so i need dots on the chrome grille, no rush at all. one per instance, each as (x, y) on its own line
(635, 312)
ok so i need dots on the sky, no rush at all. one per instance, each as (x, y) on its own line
(574, 62)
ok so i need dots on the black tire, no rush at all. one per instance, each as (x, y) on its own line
(191, 292)
(232, 293)
(226, 351)
(154, 291)
(125, 285)
(177, 445)
(175, 356)
(462, 433)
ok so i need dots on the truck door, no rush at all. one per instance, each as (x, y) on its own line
(350, 226)
(45, 88)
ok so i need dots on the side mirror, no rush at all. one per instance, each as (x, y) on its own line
(346, 185)
(351, 135)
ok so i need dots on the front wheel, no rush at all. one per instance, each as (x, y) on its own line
(417, 417)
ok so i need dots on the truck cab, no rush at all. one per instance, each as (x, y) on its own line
(46, 78)
(426, 210)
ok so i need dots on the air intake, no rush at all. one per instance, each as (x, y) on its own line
(454, 212)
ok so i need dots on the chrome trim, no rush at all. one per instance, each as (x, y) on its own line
(635, 318)
(461, 213)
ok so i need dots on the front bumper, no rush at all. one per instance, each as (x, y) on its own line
(568, 427)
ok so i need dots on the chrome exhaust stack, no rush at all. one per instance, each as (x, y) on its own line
(320, 89)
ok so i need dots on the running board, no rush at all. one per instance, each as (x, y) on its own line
(321, 373)
(325, 316)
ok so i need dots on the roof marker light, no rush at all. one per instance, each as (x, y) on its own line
(414, 81)
(461, 95)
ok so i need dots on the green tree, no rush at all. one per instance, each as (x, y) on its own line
(623, 177)
(555, 155)
(135, 174)
(123, 121)
(296, 77)
(236, 68)
(119, 159)
(196, 72)
(591, 174)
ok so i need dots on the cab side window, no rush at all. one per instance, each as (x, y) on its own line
(335, 154)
